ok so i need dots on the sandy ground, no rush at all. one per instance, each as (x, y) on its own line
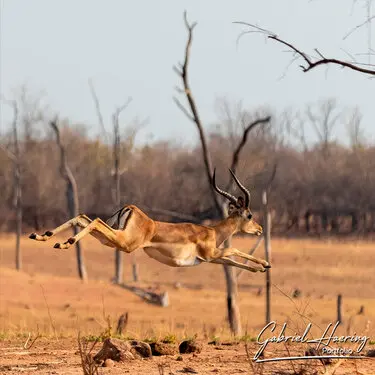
(47, 297)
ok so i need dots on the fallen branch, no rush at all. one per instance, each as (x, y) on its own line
(159, 299)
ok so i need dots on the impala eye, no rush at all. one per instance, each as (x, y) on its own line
(250, 216)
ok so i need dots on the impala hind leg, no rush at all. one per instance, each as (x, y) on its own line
(231, 262)
(97, 228)
(80, 220)
(232, 251)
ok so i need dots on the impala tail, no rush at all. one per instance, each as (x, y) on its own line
(120, 218)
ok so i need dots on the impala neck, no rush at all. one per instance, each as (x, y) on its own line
(224, 229)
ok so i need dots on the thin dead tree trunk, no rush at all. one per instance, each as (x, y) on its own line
(116, 174)
(17, 187)
(71, 197)
(267, 241)
(116, 177)
(267, 248)
(233, 311)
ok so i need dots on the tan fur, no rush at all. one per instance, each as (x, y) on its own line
(177, 245)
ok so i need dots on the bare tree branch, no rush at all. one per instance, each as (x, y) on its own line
(182, 71)
(367, 21)
(310, 61)
(183, 109)
(98, 110)
(240, 146)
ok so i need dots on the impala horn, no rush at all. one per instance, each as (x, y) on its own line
(222, 192)
(244, 190)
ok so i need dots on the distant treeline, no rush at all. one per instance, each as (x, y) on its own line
(321, 186)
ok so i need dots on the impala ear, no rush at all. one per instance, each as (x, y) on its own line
(240, 202)
(231, 207)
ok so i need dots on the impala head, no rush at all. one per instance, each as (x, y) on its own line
(239, 208)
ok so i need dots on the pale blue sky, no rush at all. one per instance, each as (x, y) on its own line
(129, 48)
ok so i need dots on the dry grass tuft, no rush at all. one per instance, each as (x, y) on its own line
(88, 364)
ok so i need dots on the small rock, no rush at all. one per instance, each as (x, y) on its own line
(120, 350)
(370, 353)
(161, 348)
(108, 363)
(141, 348)
(179, 358)
(190, 346)
(296, 293)
(177, 285)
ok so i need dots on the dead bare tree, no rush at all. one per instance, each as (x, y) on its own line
(71, 196)
(17, 197)
(116, 165)
(323, 121)
(355, 130)
(193, 115)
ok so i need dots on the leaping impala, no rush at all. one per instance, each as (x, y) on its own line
(174, 244)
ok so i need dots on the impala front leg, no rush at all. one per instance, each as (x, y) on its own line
(80, 220)
(232, 251)
(231, 262)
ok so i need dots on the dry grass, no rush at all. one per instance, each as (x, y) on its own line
(86, 353)
(49, 296)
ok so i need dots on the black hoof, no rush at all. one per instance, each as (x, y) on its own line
(32, 236)
(48, 233)
(269, 266)
(57, 246)
(71, 240)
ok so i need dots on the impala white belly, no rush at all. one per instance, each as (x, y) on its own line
(185, 257)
